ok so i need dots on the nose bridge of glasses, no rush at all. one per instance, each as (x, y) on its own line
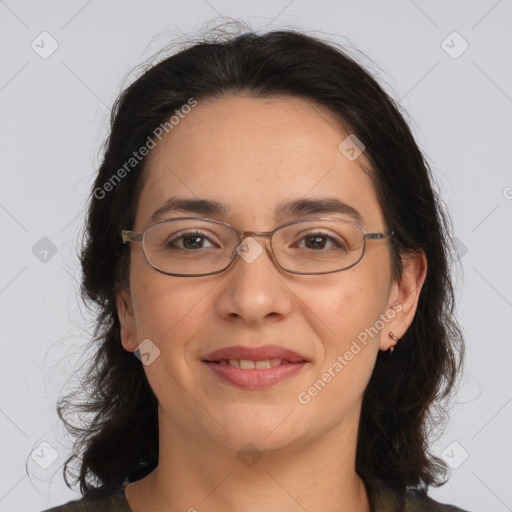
(243, 235)
(246, 234)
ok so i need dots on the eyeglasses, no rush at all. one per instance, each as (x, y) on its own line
(195, 246)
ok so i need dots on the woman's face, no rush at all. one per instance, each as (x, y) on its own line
(252, 155)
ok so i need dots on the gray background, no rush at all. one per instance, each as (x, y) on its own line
(54, 115)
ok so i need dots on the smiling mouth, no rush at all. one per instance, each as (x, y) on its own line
(255, 374)
(247, 364)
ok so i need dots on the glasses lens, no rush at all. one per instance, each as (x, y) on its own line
(189, 247)
(318, 245)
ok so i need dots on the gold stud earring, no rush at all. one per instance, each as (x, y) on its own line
(395, 339)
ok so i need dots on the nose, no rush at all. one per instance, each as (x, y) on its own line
(253, 288)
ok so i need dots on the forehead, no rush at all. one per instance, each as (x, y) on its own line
(253, 154)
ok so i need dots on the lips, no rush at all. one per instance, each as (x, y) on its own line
(255, 367)
(264, 352)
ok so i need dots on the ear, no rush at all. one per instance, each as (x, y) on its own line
(127, 320)
(404, 298)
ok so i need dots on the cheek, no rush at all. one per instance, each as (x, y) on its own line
(350, 309)
(167, 308)
(351, 301)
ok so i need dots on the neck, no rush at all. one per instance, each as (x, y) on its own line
(198, 474)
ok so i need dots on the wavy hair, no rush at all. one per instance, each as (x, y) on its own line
(405, 396)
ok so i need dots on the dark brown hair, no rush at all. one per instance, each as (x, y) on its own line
(406, 392)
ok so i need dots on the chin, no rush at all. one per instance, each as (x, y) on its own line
(267, 430)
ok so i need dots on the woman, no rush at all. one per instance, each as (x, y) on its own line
(270, 264)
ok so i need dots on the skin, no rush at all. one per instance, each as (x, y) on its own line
(251, 154)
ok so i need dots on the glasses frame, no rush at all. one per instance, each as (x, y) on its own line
(129, 236)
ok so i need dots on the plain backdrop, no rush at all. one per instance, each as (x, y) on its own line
(448, 63)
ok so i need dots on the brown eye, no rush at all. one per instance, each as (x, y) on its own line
(190, 241)
(320, 241)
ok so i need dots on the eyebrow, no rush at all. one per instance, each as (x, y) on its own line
(283, 209)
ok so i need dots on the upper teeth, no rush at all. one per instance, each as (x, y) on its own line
(247, 364)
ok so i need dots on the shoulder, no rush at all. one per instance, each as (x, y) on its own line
(115, 502)
(387, 497)
(416, 501)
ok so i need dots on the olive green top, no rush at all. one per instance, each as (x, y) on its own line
(382, 496)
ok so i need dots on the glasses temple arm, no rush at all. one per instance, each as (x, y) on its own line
(130, 236)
